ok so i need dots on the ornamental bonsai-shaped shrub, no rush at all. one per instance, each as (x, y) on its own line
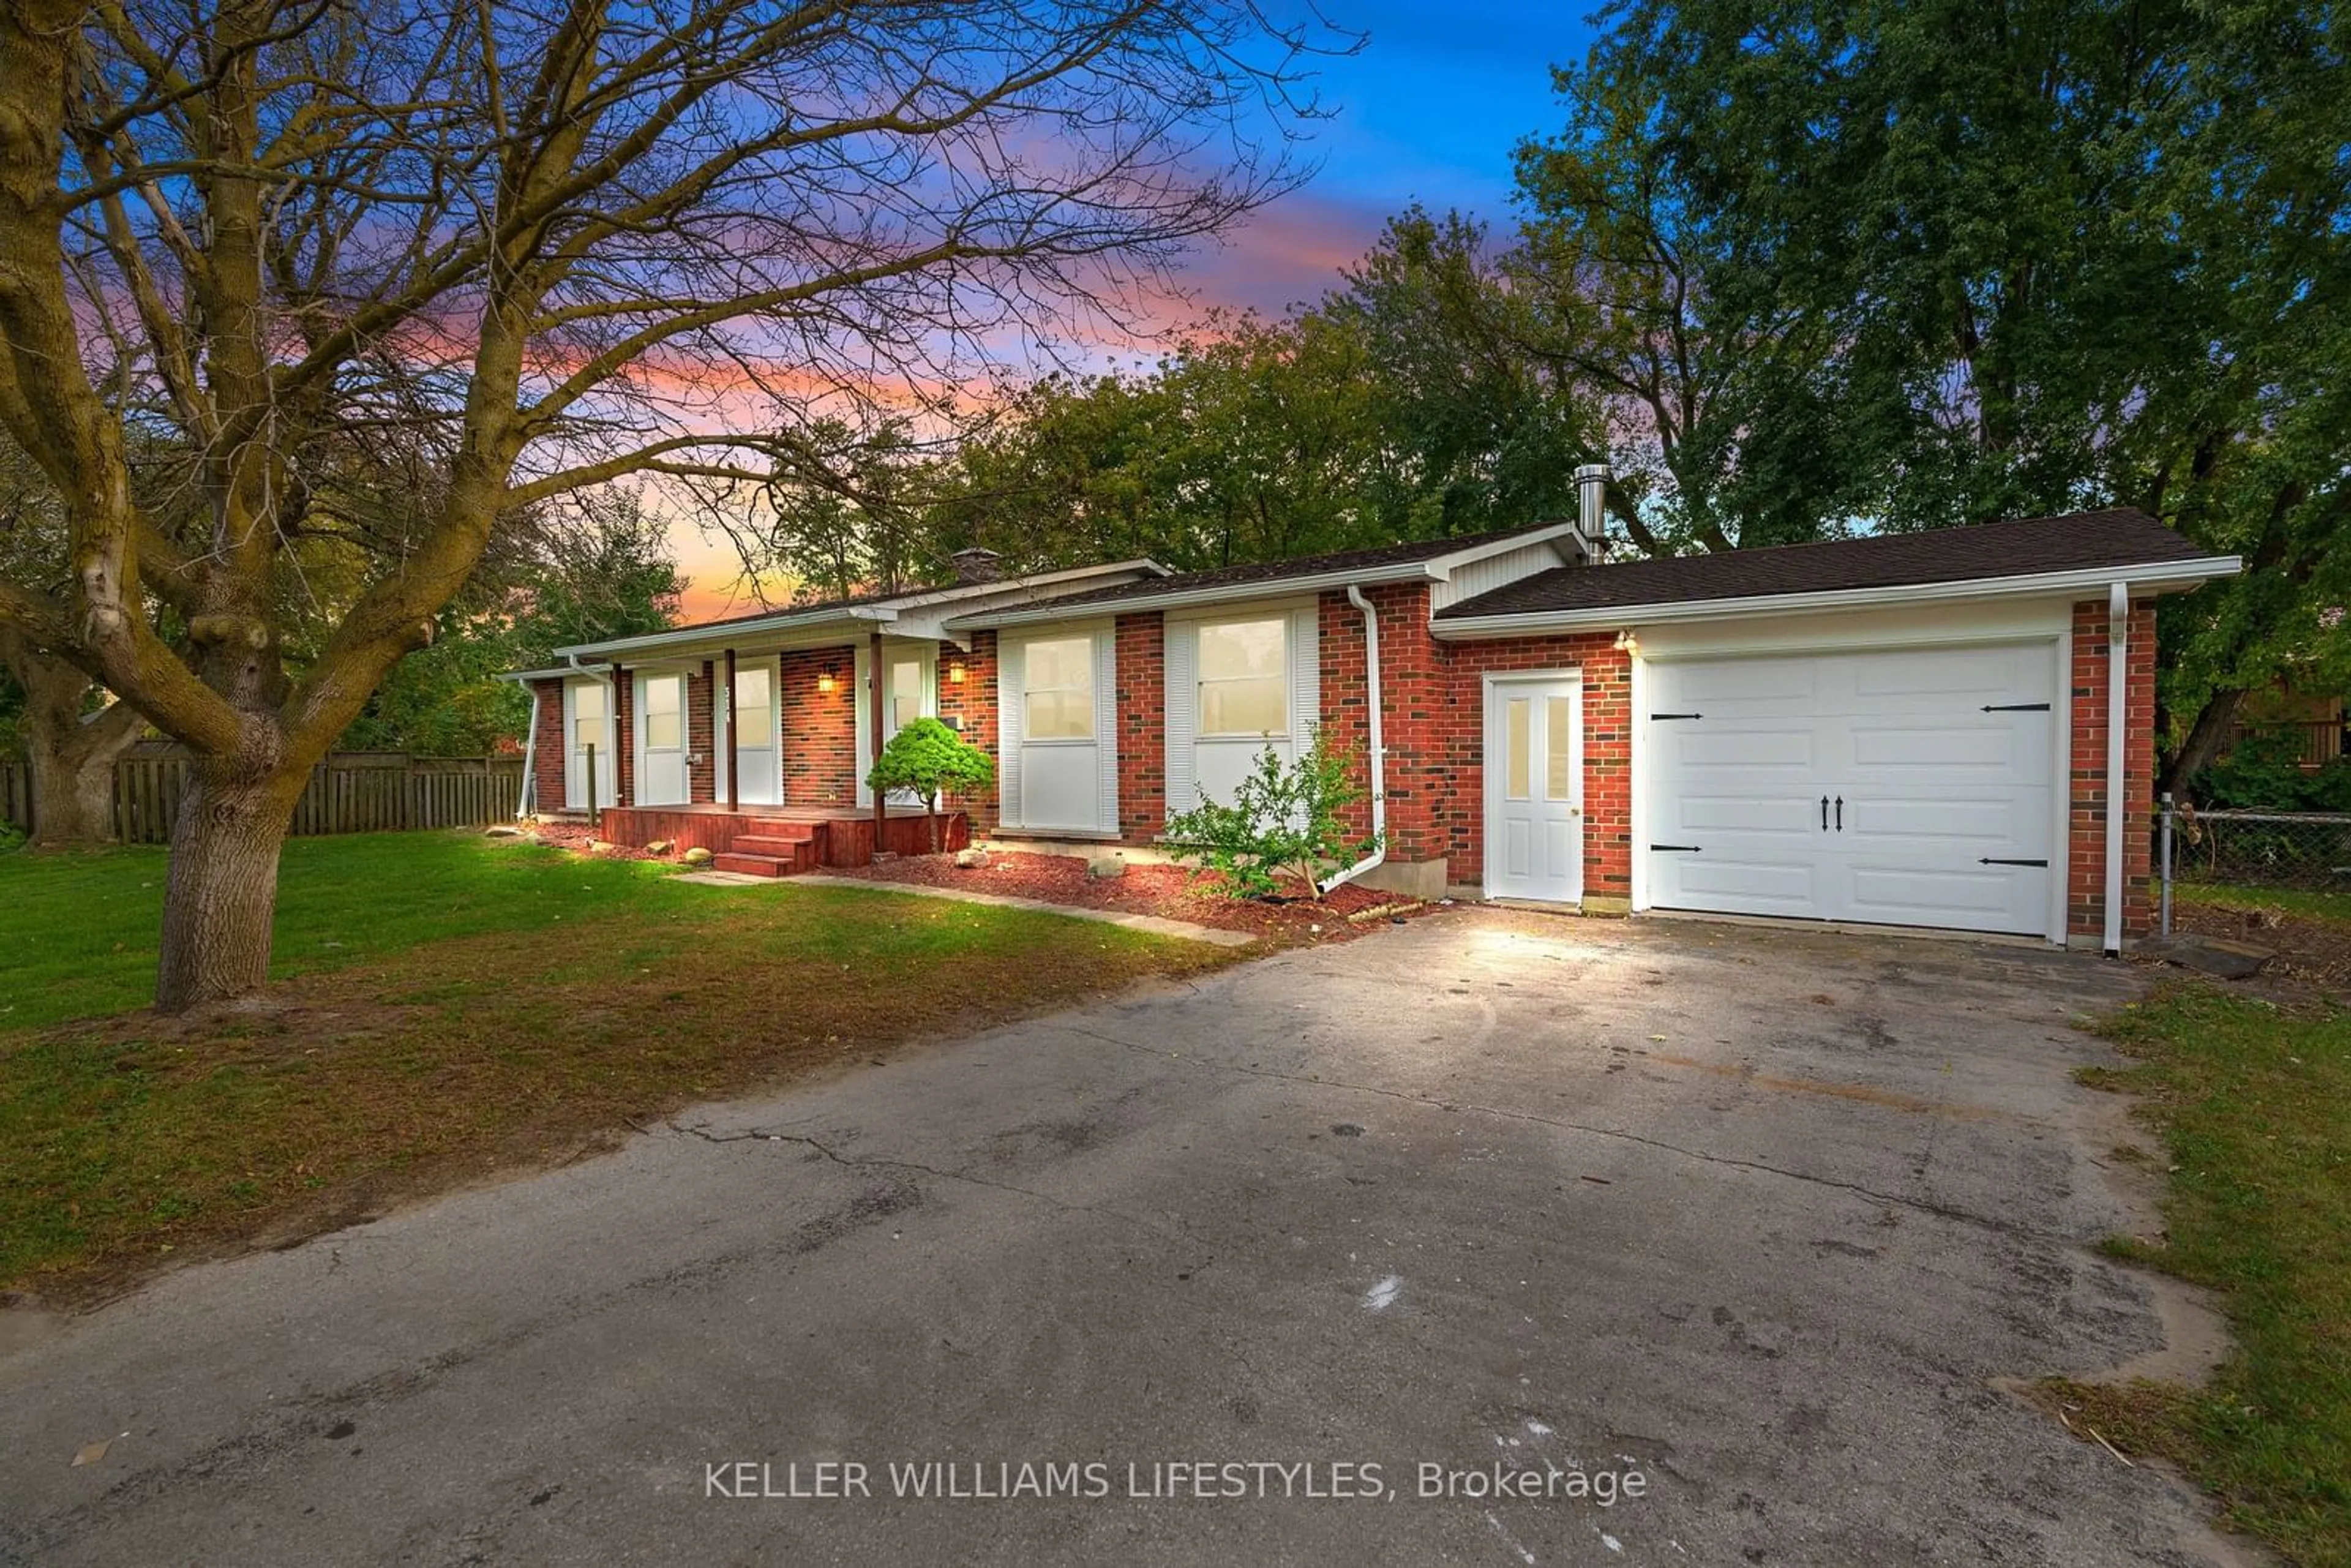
(1284, 816)
(932, 760)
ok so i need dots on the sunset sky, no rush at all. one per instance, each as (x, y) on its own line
(1428, 111)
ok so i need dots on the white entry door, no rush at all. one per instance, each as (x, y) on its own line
(1912, 786)
(587, 733)
(910, 685)
(660, 741)
(753, 725)
(1534, 788)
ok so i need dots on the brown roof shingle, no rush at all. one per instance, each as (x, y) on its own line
(2018, 547)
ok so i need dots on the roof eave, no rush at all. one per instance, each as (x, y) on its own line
(1181, 599)
(2159, 577)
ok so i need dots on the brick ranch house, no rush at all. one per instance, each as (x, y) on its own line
(1904, 730)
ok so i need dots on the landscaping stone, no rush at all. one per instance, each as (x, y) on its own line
(599, 847)
(2216, 956)
(971, 860)
(697, 856)
(502, 831)
(1105, 867)
(660, 846)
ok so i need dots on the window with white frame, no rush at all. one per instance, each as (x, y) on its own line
(1056, 693)
(587, 716)
(754, 719)
(1244, 681)
(664, 715)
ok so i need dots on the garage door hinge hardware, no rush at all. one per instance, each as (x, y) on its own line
(1658, 715)
(2016, 707)
(1988, 859)
(1690, 849)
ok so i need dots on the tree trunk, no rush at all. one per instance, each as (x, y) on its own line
(222, 895)
(2205, 738)
(71, 754)
(73, 798)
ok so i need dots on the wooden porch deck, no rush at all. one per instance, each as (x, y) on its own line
(777, 841)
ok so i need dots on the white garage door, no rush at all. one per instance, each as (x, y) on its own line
(1911, 787)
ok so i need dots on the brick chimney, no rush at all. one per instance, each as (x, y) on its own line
(978, 565)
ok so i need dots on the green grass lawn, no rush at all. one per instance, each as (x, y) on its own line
(455, 1007)
(2254, 1102)
(2333, 907)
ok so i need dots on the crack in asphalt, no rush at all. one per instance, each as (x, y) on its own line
(1922, 1206)
(1172, 1229)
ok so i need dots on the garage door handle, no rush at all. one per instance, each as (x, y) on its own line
(1825, 813)
(1840, 813)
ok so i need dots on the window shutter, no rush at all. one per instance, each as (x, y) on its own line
(1183, 698)
(1305, 679)
(1106, 731)
(1008, 679)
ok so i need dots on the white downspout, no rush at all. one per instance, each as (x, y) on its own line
(1379, 747)
(2117, 785)
(529, 793)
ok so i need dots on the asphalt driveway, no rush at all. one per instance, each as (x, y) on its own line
(1756, 1216)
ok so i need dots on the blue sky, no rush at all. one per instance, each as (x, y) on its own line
(1430, 110)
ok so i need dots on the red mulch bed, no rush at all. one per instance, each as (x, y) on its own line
(1163, 889)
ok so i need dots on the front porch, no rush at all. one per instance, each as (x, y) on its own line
(777, 841)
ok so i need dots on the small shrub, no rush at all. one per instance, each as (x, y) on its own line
(2263, 772)
(12, 837)
(932, 760)
(1285, 816)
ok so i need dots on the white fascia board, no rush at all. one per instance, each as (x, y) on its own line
(523, 678)
(736, 632)
(1443, 565)
(2171, 575)
(1265, 588)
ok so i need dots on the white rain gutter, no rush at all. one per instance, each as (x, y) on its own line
(2117, 726)
(1379, 747)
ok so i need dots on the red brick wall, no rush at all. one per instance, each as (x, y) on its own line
(547, 757)
(819, 728)
(2086, 896)
(1607, 752)
(1140, 733)
(1412, 711)
(973, 700)
(701, 765)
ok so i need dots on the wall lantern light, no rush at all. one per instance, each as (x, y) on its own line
(954, 673)
(1628, 643)
(826, 683)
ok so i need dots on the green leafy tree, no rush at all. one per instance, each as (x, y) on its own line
(2007, 260)
(1284, 817)
(933, 761)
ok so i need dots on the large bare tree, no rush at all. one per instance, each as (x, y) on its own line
(557, 242)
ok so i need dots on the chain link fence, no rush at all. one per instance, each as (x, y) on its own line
(2305, 851)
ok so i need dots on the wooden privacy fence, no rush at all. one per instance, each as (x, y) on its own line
(350, 792)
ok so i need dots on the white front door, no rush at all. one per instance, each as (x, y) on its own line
(587, 735)
(1534, 788)
(660, 741)
(910, 687)
(1911, 786)
(753, 725)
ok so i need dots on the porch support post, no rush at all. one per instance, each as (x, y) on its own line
(734, 752)
(875, 686)
(623, 734)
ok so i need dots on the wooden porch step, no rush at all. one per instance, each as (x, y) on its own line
(755, 865)
(782, 849)
(776, 828)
